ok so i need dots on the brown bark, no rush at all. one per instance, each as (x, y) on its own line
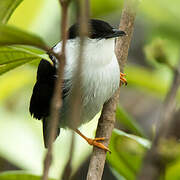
(107, 119)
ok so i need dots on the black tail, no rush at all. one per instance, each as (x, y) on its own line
(46, 132)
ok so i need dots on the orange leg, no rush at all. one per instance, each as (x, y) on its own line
(122, 79)
(122, 74)
(94, 141)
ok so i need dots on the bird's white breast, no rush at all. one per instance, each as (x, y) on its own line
(100, 72)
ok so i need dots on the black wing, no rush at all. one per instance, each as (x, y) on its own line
(43, 90)
(42, 94)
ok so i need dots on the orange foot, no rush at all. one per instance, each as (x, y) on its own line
(94, 141)
(122, 79)
(97, 144)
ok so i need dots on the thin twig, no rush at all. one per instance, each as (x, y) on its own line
(107, 119)
(152, 162)
(76, 90)
(75, 115)
(56, 100)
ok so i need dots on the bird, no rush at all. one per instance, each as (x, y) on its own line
(100, 76)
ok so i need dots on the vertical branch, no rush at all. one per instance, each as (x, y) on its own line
(57, 100)
(82, 18)
(107, 119)
(126, 24)
(152, 162)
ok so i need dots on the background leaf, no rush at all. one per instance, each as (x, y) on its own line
(10, 35)
(124, 118)
(14, 56)
(128, 151)
(7, 7)
(142, 141)
(16, 175)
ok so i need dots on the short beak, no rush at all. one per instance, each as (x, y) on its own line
(118, 33)
(115, 33)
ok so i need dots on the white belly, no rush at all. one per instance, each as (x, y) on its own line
(100, 84)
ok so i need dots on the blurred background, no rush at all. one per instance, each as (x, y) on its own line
(155, 45)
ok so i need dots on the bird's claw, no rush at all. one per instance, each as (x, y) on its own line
(122, 79)
(98, 144)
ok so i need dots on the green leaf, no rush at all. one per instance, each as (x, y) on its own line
(147, 80)
(116, 174)
(142, 141)
(14, 56)
(6, 9)
(10, 36)
(123, 117)
(127, 153)
(18, 175)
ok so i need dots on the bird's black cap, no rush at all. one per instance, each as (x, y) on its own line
(98, 30)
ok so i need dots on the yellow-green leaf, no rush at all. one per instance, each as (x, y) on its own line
(14, 56)
(17, 175)
(6, 9)
(11, 36)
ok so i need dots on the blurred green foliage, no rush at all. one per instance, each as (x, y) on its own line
(156, 51)
(17, 130)
(104, 7)
(124, 118)
(18, 176)
(7, 7)
(11, 35)
(14, 56)
(128, 151)
(26, 13)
